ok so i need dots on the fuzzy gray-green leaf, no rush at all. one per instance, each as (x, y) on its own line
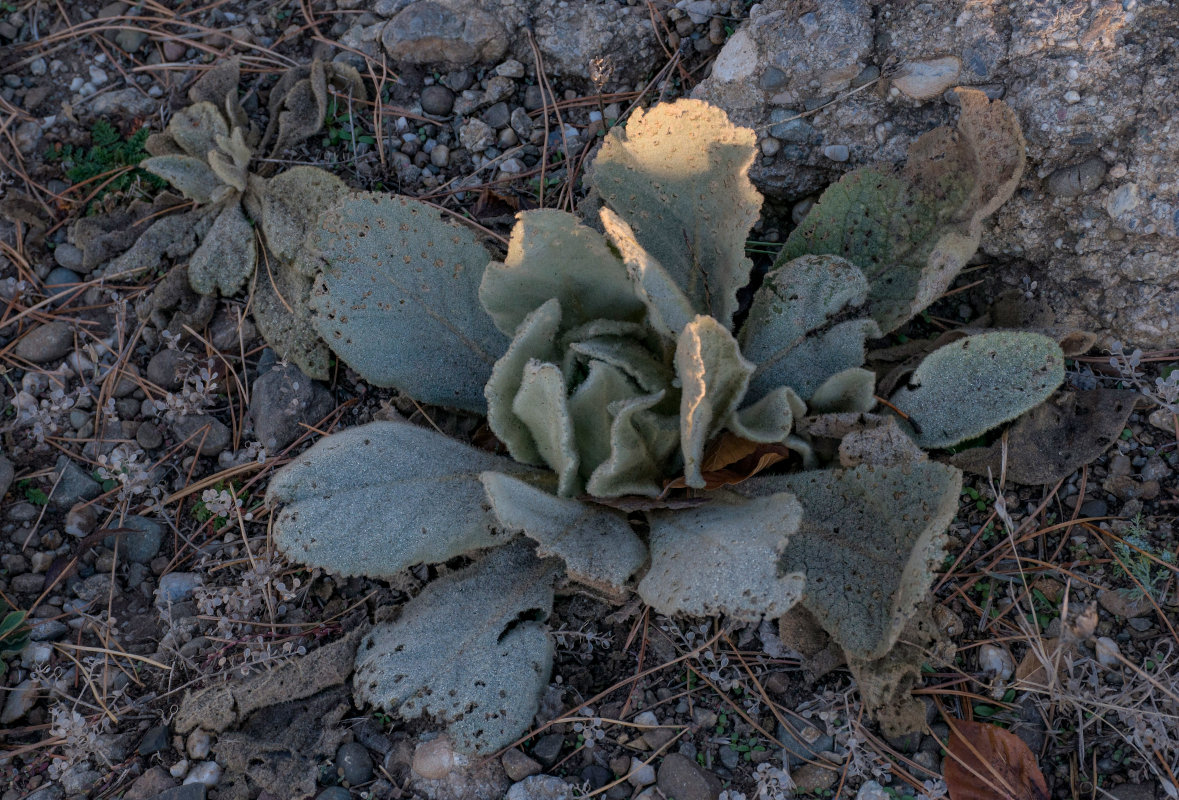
(542, 404)
(282, 310)
(722, 558)
(471, 651)
(551, 254)
(227, 255)
(641, 443)
(850, 390)
(589, 406)
(377, 499)
(534, 341)
(714, 377)
(196, 128)
(190, 176)
(398, 299)
(967, 387)
(868, 544)
(291, 203)
(770, 419)
(678, 175)
(630, 357)
(597, 544)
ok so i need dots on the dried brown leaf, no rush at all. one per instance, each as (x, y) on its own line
(989, 763)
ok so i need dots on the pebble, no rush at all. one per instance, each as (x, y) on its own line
(871, 790)
(476, 135)
(35, 654)
(80, 520)
(681, 778)
(142, 543)
(837, 152)
(148, 435)
(510, 69)
(19, 701)
(204, 434)
(548, 749)
(78, 780)
(1072, 96)
(922, 80)
(435, 759)
(519, 766)
(354, 764)
(73, 485)
(1077, 179)
(1124, 604)
(540, 787)
(157, 739)
(154, 781)
(995, 661)
(49, 630)
(174, 50)
(130, 40)
(334, 793)
(802, 741)
(814, 778)
(167, 369)
(177, 587)
(440, 156)
(198, 744)
(1107, 651)
(640, 774)
(7, 473)
(48, 342)
(284, 400)
(497, 116)
(596, 776)
(191, 791)
(437, 100)
(206, 772)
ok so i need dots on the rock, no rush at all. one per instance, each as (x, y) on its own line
(167, 369)
(498, 115)
(640, 774)
(437, 100)
(157, 739)
(540, 787)
(47, 630)
(836, 152)
(28, 583)
(142, 542)
(595, 776)
(73, 485)
(50, 341)
(7, 473)
(1124, 603)
(176, 587)
(995, 661)
(154, 781)
(510, 69)
(518, 766)
(681, 778)
(924, 80)
(354, 764)
(81, 520)
(573, 37)
(189, 791)
(128, 102)
(130, 40)
(206, 772)
(1077, 179)
(476, 135)
(440, 156)
(78, 780)
(20, 700)
(198, 744)
(871, 790)
(334, 793)
(48, 791)
(802, 741)
(68, 256)
(284, 400)
(58, 284)
(202, 433)
(548, 749)
(814, 778)
(1133, 791)
(1107, 652)
(451, 31)
(435, 758)
(148, 435)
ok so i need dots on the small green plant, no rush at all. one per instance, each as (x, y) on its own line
(614, 367)
(109, 152)
(14, 634)
(1149, 568)
(33, 494)
(341, 126)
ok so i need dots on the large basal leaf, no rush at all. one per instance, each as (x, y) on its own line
(227, 255)
(196, 128)
(301, 109)
(714, 377)
(282, 310)
(641, 443)
(869, 541)
(290, 205)
(190, 176)
(551, 254)
(534, 341)
(597, 544)
(382, 497)
(912, 230)
(668, 308)
(217, 82)
(678, 175)
(796, 332)
(723, 558)
(398, 299)
(471, 651)
(965, 388)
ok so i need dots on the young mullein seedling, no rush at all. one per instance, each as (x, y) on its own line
(608, 362)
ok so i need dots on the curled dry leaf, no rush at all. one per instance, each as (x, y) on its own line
(989, 763)
(731, 460)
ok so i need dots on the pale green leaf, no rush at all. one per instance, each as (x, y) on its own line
(227, 255)
(398, 299)
(542, 404)
(551, 254)
(641, 443)
(282, 311)
(629, 356)
(290, 204)
(967, 387)
(723, 558)
(597, 544)
(770, 419)
(190, 176)
(589, 406)
(678, 175)
(196, 128)
(471, 651)
(379, 498)
(851, 390)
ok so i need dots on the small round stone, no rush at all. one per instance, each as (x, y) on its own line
(334, 793)
(354, 764)
(437, 100)
(837, 152)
